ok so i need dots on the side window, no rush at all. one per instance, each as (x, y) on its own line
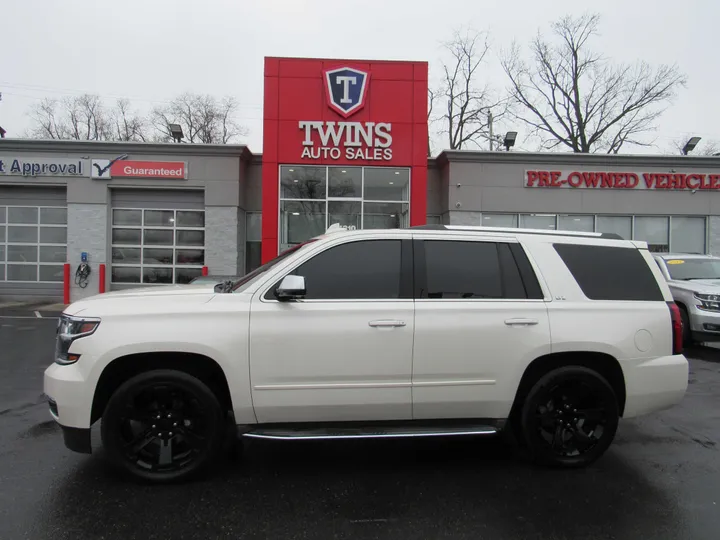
(460, 269)
(610, 273)
(369, 269)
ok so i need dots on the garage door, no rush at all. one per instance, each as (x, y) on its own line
(33, 242)
(158, 237)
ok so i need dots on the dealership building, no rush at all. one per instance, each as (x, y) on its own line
(344, 141)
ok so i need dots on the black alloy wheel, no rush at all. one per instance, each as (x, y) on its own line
(570, 417)
(163, 426)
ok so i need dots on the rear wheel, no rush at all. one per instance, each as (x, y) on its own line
(569, 417)
(163, 426)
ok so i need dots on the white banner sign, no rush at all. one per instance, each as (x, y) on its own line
(31, 166)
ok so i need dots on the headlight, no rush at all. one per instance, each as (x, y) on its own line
(708, 302)
(68, 330)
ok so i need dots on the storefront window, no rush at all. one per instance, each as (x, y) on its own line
(576, 223)
(314, 198)
(385, 215)
(654, 231)
(346, 213)
(300, 220)
(33, 243)
(687, 234)
(157, 246)
(303, 182)
(499, 220)
(620, 225)
(386, 184)
(538, 221)
(345, 182)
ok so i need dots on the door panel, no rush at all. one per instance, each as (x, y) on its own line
(344, 352)
(468, 354)
(479, 321)
(323, 361)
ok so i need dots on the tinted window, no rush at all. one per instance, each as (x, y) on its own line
(610, 273)
(368, 269)
(512, 282)
(462, 270)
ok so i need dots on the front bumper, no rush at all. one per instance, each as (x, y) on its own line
(67, 389)
(656, 384)
(705, 325)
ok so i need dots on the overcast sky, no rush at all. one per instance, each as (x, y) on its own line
(151, 50)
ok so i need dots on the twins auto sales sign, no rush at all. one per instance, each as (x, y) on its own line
(621, 180)
(346, 90)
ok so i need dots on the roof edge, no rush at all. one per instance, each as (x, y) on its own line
(55, 145)
(477, 156)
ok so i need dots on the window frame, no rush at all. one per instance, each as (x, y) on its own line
(38, 226)
(420, 270)
(266, 292)
(175, 246)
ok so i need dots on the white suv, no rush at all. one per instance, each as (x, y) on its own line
(427, 331)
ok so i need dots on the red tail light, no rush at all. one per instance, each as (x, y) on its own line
(677, 327)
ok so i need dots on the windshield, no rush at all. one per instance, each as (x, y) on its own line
(688, 269)
(248, 278)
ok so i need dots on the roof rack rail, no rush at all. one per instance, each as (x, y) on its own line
(515, 230)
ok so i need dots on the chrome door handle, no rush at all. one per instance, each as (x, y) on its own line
(386, 323)
(521, 322)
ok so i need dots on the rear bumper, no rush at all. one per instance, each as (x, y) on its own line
(656, 384)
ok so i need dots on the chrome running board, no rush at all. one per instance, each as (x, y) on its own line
(366, 433)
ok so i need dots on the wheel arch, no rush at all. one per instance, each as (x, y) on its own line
(123, 368)
(604, 364)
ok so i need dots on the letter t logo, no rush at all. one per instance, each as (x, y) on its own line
(346, 82)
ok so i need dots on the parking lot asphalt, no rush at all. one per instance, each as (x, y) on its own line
(661, 478)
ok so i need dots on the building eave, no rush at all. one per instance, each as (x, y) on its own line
(137, 148)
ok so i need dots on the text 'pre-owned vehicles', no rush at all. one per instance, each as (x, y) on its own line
(427, 331)
(694, 282)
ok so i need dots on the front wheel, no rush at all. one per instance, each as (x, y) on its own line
(162, 426)
(570, 417)
(686, 330)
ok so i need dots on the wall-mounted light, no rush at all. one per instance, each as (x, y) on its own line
(690, 145)
(509, 141)
(176, 132)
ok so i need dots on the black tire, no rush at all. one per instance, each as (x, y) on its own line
(686, 333)
(562, 414)
(163, 412)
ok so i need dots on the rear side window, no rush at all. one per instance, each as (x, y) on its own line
(464, 269)
(610, 273)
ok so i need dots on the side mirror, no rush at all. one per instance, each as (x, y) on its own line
(291, 288)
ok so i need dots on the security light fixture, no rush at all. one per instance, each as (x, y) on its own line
(176, 132)
(509, 140)
(690, 145)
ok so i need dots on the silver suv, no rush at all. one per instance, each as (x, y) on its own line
(694, 281)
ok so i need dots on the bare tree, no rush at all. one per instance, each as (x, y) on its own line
(203, 118)
(47, 122)
(79, 117)
(126, 124)
(466, 102)
(571, 96)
